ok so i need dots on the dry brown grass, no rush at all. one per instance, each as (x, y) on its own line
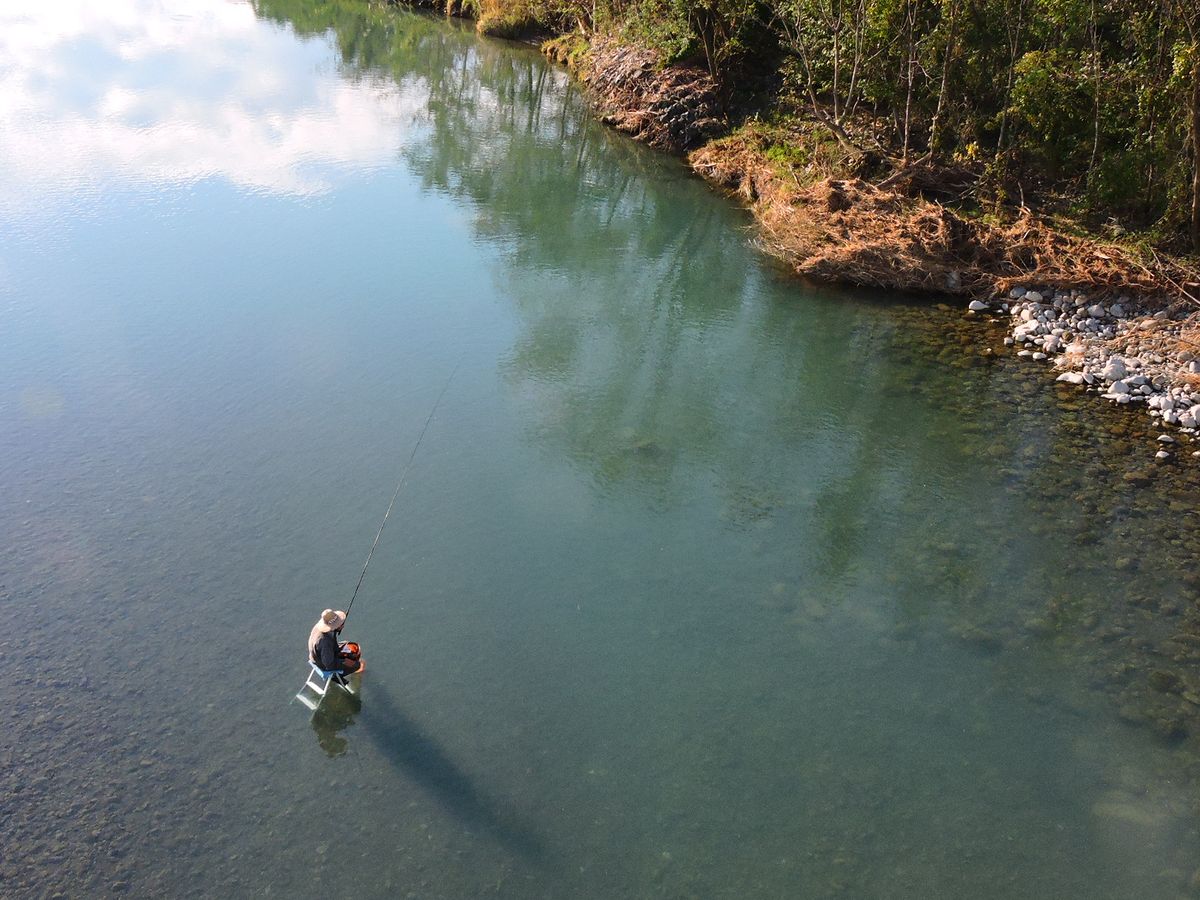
(1188, 380)
(850, 230)
(500, 18)
(1073, 359)
(1184, 339)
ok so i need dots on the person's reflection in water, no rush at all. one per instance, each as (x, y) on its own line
(336, 714)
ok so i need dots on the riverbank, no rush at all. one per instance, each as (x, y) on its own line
(1117, 320)
(1124, 327)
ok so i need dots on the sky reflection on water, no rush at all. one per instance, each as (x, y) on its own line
(168, 91)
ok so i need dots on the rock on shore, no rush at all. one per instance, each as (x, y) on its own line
(1121, 350)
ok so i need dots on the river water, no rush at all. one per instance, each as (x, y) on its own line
(703, 583)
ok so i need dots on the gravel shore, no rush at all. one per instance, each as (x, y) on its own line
(1123, 351)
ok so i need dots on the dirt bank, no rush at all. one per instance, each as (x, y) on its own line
(882, 235)
(674, 108)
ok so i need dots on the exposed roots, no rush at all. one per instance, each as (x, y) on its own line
(672, 109)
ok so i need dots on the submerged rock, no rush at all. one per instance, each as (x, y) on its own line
(981, 639)
(1170, 728)
(1120, 807)
(1165, 682)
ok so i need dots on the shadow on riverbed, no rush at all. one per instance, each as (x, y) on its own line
(335, 716)
(421, 758)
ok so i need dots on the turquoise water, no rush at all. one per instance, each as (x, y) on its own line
(704, 583)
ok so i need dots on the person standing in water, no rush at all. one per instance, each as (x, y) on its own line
(324, 649)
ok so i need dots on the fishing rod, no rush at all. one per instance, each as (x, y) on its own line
(400, 483)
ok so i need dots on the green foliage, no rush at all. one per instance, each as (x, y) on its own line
(1087, 99)
(569, 49)
(715, 32)
(663, 25)
(1051, 105)
(1084, 99)
(788, 155)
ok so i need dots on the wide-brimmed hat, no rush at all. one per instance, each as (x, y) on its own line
(331, 620)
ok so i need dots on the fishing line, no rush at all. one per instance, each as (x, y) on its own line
(400, 483)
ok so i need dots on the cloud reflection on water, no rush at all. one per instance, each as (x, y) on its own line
(159, 91)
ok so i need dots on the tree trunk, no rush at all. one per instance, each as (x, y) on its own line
(935, 142)
(1014, 47)
(910, 28)
(837, 61)
(1196, 149)
(1094, 30)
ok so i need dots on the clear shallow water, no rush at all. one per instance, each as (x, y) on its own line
(704, 583)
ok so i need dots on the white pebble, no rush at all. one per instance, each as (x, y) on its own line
(1114, 369)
